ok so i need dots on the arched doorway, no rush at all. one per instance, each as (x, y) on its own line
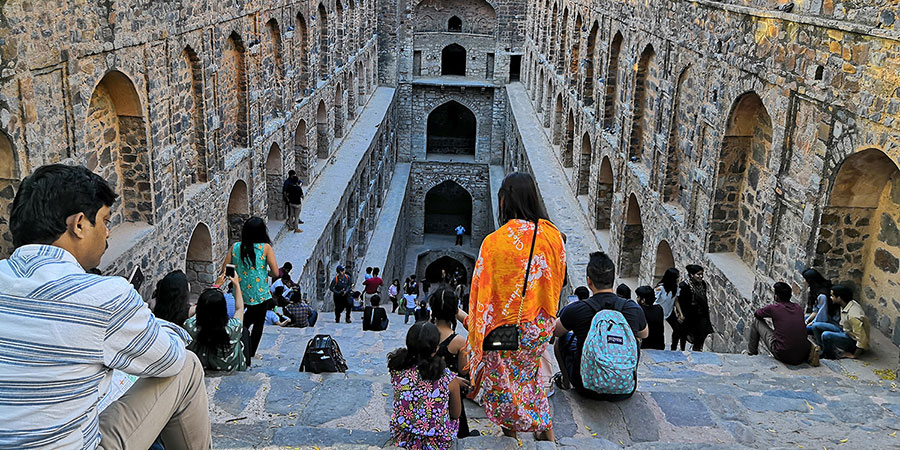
(584, 165)
(321, 283)
(9, 178)
(447, 206)
(190, 79)
(274, 183)
(604, 194)
(644, 102)
(569, 146)
(612, 74)
(451, 130)
(238, 211)
(115, 132)
(453, 60)
(322, 131)
(558, 121)
(632, 240)
(444, 265)
(587, 87)
(235, 105)
(274, 71)
(338, 112)
(302, 43)
(323, 42)
(858, 239)
(682, 120)
(198, 262)
(741, 171)
(664, 260)
(454, 25)
(301, 151)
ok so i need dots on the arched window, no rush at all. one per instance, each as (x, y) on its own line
(454, 25)
(451, 129)
(453, 60)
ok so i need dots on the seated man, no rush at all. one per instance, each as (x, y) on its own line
(577, 317)
(86, 325)
(375, 317)
(851, 338)
(787, 342)
(301, 314)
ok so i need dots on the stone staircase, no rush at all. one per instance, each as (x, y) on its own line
(684, 400)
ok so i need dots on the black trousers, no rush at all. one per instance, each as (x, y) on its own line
(678, 336)
(341, 303)
(254, 320)
(459, 239)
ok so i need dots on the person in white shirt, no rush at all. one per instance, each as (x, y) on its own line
(65, 330)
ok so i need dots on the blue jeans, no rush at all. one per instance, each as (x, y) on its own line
(831, 337)
(409, 312)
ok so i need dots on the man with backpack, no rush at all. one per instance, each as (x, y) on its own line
(293, 195)
(598, 338)
(340, 290)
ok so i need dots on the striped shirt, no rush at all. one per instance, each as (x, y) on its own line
(63, 332)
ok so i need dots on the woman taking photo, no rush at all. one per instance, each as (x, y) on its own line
(254, 261)
(502, 317)
(216, 338)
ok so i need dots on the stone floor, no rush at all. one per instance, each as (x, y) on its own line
(684, 400)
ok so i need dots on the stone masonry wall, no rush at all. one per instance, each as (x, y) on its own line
(474, 178)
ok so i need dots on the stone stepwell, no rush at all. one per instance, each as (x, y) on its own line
(684, 400)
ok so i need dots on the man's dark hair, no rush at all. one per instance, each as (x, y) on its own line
(287, 266)
(292, 173)
(783, 292)
(294, 179)
(623, 291)
(376, 300)
(645, 294)
(843, 292)
(50, 195)
(582, 292)
(693, 269)
(601, 271)
(376, 271)
(520, 199)
(368, 270)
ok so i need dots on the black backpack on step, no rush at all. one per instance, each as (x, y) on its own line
(323, 354)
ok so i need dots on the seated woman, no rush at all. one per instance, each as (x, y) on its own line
(216, 338)
(375, 317)
(452, 348)
(171, 297)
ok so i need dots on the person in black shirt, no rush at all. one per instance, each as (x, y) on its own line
(574, 323)
(375, 317)
(654, 315)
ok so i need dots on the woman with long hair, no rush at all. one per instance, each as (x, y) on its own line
(667, 296)
(819, 306)
(694, 303)
(172, 295)
(216, 338)
(452, 349)
(521, 294)
(254, 261)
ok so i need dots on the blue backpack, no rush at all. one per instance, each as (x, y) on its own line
(609, 360)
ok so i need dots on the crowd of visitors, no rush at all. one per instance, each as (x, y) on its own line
(509, 311)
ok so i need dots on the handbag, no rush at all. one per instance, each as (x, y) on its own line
(506, 337)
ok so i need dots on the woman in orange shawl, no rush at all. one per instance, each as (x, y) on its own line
(509, 381)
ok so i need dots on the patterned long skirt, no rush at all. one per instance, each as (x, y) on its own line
(513, 397)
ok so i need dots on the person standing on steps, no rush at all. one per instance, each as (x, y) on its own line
(393, 292)
(293, 193)
(372, 285)
(694, 304)
(666, 293)
(340, 290)
(254, 261)
(459, 234)
(654, 313)
(787, 342)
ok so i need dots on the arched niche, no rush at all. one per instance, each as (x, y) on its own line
(274, 183)
(9, 179)
(190, 79)
(605, 189)
(451, 130)
(664, 259)
(324, 47)
(443, 269)
(447, 205)
(301, 43)
(234, 72)
(568, 148)
(645, 93)
(322, 138)
(301, 151)
(338, 111)
(632, 244)
(453, 60)
(454, 24)
(584, 166)
(199, 263)
(610, 100)
(238, 210)
(115, 138)
(475, 16)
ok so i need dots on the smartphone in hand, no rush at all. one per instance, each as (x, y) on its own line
(229, 271)
(136, 278)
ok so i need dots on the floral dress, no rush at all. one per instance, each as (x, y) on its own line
(421, 418)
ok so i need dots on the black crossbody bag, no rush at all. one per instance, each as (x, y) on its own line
(506, 337)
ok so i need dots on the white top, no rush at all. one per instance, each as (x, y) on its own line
(63, 333)
(666, 300)
(410, 300)
(392, 291)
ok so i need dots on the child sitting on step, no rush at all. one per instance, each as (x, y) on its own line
(427, 400)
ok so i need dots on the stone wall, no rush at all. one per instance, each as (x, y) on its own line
(474, 178)
(483, 103)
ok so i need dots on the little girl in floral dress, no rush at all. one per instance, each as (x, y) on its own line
(427, 402)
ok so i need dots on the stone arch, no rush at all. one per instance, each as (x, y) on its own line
(322, 143)
(302, 55)
(337, 241)
(274, 182)
(338, 111)
(238, 211)
(558, 121)
(234, 71)
(554, 34)
(539, 98)
(664, 259)
(456, 16)
(116, 136)
(7, 158)
(351, 29)
(605, 188)
(351, 96)
(584, 165)
(321, 282)
(563, 41)
(745, 145)
(632, 246)
(447, 205)
(9, 179)
(645, 82)
(858, 242)
(363, 81)
(339, 34)
(587, 88)
(452, 128)
(678, 130)
(426, 259)
(190, 79)
(323, 42)
(445, 264)
(273, 66)
(453, 60)
(301, 151)
(198, 261)
(569, 146)
(612, 75)
(454, 24)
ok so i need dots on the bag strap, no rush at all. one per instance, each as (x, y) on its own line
(527, 271)
(617, 306)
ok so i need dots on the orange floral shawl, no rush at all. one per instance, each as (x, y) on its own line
(496, 292)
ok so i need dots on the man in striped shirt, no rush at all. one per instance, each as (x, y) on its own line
(64, 331)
